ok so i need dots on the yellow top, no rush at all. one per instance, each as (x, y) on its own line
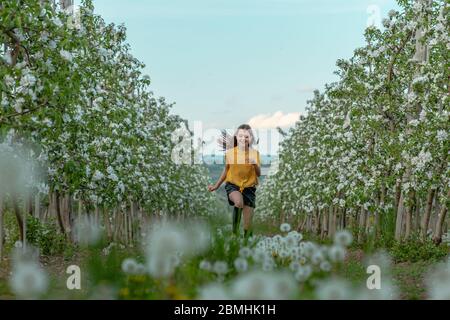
(241, 173)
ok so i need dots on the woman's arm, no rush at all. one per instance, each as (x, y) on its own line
(257, 169)
(256, 163)
(221, 179)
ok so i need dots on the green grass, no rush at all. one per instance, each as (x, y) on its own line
(408, 276)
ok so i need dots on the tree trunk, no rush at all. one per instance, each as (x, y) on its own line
(399, 220)
(325, 216)
(125, 226)
(344, 218)
(25, 216)
(282, 214)
(362, 224)
(96, 215)
(80, 209)
(1, 228)
(58, 213)
(308, 222)
(108, 227)
(437, 238)
(408, 216)
(417, 214)
(18, 216)
(132, 216)
(368, 221)
(37, 206)
(427, 214)
(332, 222)
(317, 223)
(299, 222)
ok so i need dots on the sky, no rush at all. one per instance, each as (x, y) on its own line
(227, 62)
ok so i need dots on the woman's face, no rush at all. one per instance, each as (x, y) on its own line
(244, 138)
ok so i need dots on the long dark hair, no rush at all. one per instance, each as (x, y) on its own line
(227, 141)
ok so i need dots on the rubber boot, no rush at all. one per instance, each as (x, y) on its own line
(236, 219)
(247, 234)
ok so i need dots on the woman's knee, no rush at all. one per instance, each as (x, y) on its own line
(236, 197)
(239, 203)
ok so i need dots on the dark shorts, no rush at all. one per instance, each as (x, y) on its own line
(248, 194)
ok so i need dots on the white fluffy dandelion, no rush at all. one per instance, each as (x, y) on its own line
(241, 264)
(285, 227)
(336, 253)
(205, 265)
(213, 291)
(262, 285)
(268, 265)
(87, 231)
(438, 282)
(245, 252)
(130, 266)
(294, 265)
(334, 289)
(167, 243)
(303, 273)
(343, 238)
(317, 257)
(259, 255)
(325, 266)
(220, 267)
(28, 280)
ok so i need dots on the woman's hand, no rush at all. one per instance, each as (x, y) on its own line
(257, 167)
(212, 188)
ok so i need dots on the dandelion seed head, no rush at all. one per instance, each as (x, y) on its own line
(245, 252)
(241, 264)
(325, 266)
(285, 227)
(28, 280)
(334, 289)
(343, 238)
(130, 266)
(336, 253)
(220, 267)
(213, 291)
(205, 265)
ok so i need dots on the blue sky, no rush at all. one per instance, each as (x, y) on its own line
(224, 62)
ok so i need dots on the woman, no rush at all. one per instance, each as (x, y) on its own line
(241, 172)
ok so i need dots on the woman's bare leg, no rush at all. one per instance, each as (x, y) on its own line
(238, 201)
(248, 215)
(236, 197)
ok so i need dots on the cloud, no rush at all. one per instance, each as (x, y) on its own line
(270, 121)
